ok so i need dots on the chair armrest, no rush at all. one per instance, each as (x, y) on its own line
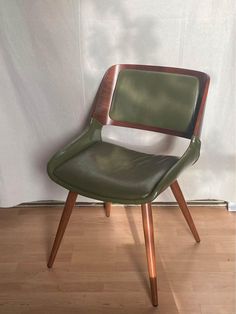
(90, 135)
(190, 156)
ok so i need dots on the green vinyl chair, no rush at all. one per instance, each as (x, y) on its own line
(161, 99)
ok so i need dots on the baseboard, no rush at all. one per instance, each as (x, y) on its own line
(194, 203)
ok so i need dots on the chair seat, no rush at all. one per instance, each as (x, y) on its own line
(108, 170)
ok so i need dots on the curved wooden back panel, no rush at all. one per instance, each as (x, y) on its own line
(103, 99)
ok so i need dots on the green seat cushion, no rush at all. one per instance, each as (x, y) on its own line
(107, 170)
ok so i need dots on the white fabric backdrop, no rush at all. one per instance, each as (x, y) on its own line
(53, 54)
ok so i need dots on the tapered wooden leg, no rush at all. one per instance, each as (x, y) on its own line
(107, 207)
(184, 208)
(150, 249)
(70, 202)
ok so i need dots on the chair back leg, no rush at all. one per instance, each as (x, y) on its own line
(150, 249)
(184, 208)
(107, 207)
(70, 202)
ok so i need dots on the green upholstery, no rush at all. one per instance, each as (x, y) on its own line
(109, 170)
(91, 135)
(112, 173)
(165, 100)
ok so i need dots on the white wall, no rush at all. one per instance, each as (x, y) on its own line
(53, 54)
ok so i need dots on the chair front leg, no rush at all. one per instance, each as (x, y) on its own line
(184, 208)
(107, 207)
(70, 202)
(150, 249)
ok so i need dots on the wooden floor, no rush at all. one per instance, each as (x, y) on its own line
(101, 265)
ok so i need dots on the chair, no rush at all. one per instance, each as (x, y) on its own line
(161, 99)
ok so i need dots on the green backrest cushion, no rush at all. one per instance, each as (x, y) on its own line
(164, 100)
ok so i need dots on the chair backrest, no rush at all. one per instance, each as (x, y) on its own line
(161, 99)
